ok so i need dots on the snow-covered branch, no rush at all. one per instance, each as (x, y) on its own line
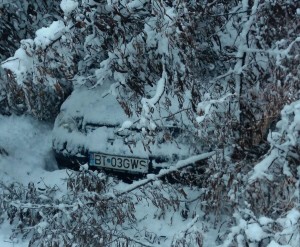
(152, 177)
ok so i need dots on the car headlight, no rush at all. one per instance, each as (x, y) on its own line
(69, 125)
(65, 122)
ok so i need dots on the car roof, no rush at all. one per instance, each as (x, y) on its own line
(94, 105)
(98, 106)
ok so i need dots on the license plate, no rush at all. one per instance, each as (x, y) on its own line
(121, 163)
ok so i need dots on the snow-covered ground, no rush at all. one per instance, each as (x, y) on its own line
(28, 144)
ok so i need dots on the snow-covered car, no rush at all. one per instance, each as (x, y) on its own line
(91, 128)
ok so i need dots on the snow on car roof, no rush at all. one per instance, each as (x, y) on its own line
(95, 105)
(98, 106)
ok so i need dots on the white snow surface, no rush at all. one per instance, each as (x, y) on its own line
(274, 244)
(68, 6)
(254, 232)
(28, 144)
(22, 62)
(46, 35)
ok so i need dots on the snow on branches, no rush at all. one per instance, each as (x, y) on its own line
(270, 212)
(92, 212)
(39, 73)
